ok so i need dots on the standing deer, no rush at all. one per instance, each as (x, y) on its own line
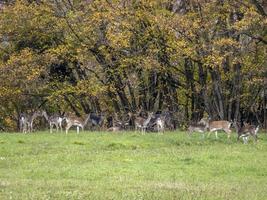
(96, 120)
(197, 127)
(142, 123)
(54, 120)
(215, 126)
(246, 131)
(160, 123)
(26, 121)
(76, 121)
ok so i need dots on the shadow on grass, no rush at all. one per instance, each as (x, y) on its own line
(21, 142)
(121, 146)
(78, 143)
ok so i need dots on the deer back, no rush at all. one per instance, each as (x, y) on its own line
(222, 124)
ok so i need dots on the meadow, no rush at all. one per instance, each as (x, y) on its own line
(128, 165)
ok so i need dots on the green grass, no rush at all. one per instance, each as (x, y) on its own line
(131, 166)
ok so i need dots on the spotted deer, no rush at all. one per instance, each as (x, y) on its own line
(197, 127)
(141, 122)
(54, 120)
(26, 121)
(79, 122)
(245, 131)
(215, 126)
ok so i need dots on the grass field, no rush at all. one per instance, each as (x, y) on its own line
(95, 165)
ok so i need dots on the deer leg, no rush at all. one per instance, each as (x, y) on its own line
(56, 127)
(78, 129)
(31, 126)
(209, 133)
(51, 127)
(24, 128)
(255, 137)
(216, 134)
(228, 133)
(60, 126)
(245, 139)
(67, 128)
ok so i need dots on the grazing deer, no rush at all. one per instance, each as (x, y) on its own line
(214, 126)
(54, 120)
(246, 131)
(142, 123)
(76, 121)
(197, 127)
(26, 121)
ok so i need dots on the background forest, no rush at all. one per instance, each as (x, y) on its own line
(193, 58)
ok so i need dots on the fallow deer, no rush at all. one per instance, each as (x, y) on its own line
(246, 131)
(141, 122)
(117, 124)
(96, 120)
(197, 127)
(114, 129)
(54, 120)
(76, 121)
(26, 121)
(160, 123)
(214, 126)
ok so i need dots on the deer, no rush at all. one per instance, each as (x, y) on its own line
(215, 126)
(160, 123)
(197, 127)
(115, 129)
(117, 125)
(141, 122)
(26, 121)
(79, 122)
(246, 131)
(96, 120)
(54, 120)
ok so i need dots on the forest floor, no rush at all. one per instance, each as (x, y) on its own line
(127, 165)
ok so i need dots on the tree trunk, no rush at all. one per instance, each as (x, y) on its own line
(265, 102)
(237, 84)
(218, 94)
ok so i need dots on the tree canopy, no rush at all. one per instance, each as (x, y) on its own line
(194, 58)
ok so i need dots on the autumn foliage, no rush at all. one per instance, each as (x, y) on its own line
(192, 58)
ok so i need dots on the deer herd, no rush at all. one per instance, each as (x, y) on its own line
(140, 123)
